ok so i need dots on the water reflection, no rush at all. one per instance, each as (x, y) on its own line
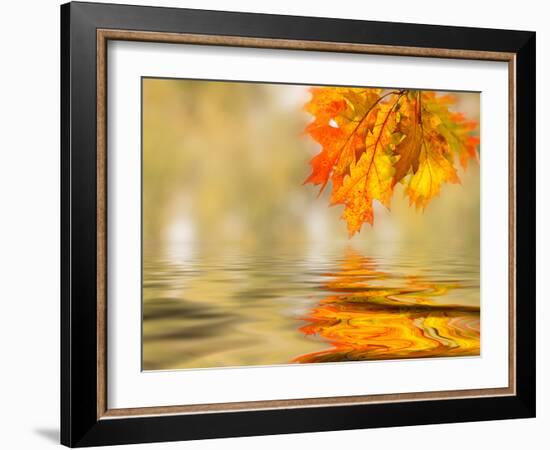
(369, 320)
(218, 308)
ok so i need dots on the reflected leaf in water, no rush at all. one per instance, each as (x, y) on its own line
(369, 321)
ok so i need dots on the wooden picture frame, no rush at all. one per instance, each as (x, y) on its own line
(86, 418)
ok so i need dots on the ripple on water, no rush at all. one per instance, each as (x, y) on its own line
(244, 309)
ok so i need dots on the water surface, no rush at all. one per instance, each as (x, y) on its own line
(219, 308)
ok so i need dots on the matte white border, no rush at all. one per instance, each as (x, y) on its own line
(128, 387)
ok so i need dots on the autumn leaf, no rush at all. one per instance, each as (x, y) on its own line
(409, 147)
(454, 127)
(370, 177)
(434, 163)
(372, 139)
(340, 125)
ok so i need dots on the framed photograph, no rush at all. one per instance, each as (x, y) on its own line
(276, 224)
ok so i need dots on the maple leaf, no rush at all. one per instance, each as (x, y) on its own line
(434, 163)
(370, 177)
(372, 139)
(454, 127)
(409, 147)
(340, 125)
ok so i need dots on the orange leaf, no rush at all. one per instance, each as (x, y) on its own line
(373, 139)
(340, 125)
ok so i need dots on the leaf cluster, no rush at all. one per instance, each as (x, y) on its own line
(371, 139)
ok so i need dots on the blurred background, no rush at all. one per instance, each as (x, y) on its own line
(237, 250)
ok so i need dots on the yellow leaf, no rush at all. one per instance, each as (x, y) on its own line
(372, 139)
